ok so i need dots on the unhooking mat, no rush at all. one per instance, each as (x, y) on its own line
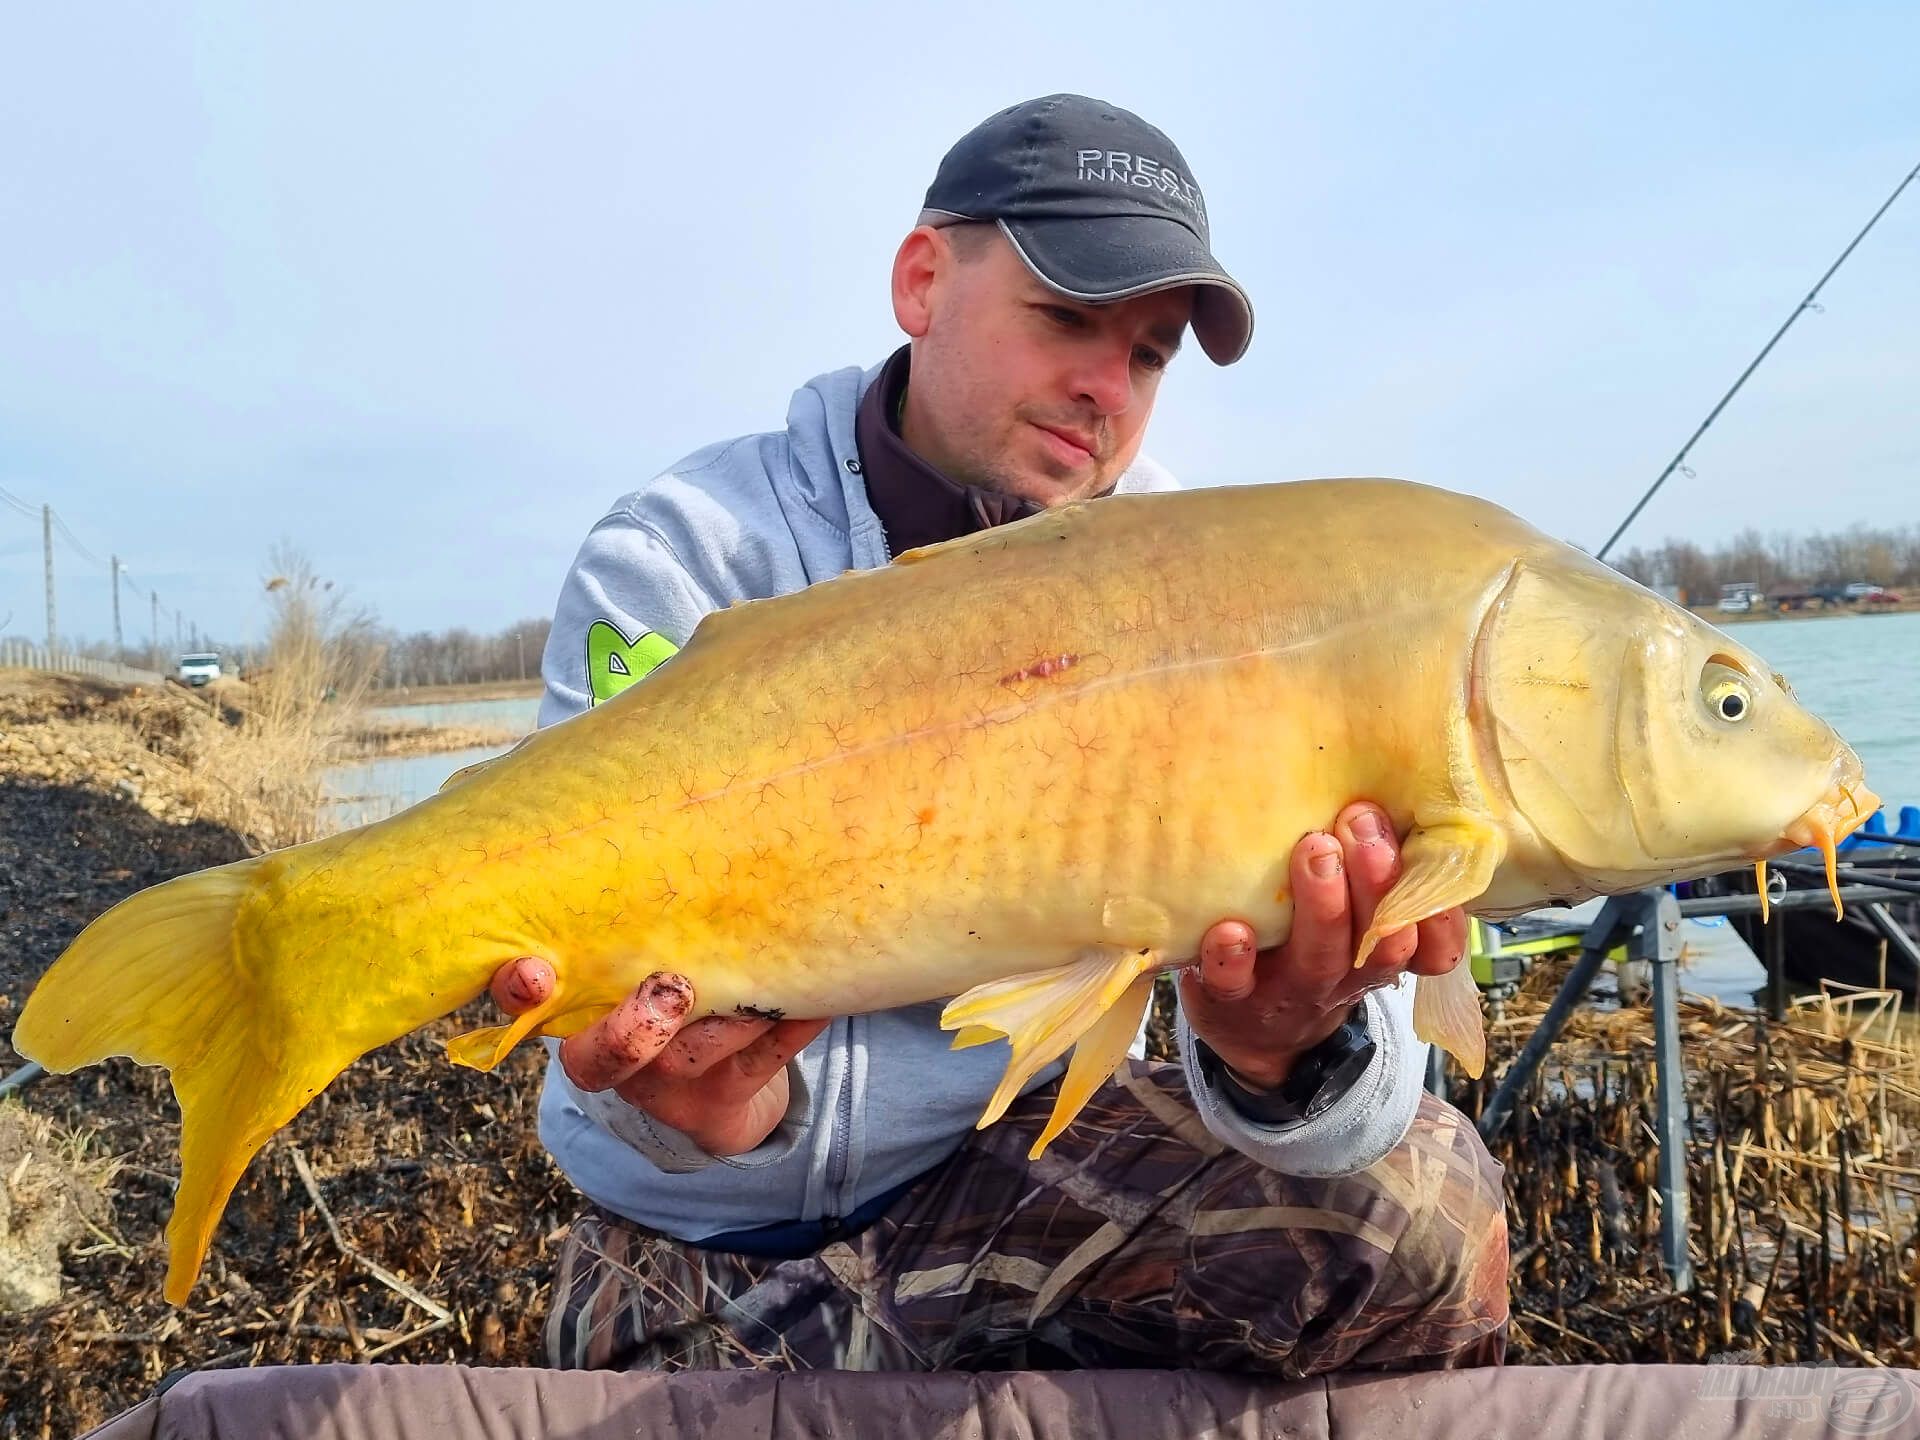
(1617, 1402)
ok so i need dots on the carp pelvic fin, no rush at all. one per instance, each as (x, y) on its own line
(1446, 1012)
(1044, 1013)
(1442, 866)
(1097, 1055)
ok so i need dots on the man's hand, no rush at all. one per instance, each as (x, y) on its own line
(721, 1082)
(1259, 1011)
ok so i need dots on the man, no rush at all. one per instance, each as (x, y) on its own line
(811, 1192)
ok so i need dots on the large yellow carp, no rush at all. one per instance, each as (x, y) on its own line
(1027, 768)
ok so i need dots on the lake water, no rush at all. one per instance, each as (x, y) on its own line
(1862, 673)
(370, 790)
(515, 713)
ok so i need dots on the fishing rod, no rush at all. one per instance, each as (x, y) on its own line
(1798, 310)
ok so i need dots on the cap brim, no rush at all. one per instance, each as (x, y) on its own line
(1116, 257)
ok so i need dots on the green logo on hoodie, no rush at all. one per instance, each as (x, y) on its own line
(614, 662)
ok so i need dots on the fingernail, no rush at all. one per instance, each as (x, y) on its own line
(1365, 827)
(667, 997)
(1326, 865)
(1238, 948)
(526, 983)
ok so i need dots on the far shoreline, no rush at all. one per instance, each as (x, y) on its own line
(1713, 615)
(454, 694)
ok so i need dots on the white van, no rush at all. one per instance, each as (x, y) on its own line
(198, 669)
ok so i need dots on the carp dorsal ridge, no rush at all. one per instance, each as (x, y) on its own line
(1045, 527)
(467, 772)
(1044, 1012)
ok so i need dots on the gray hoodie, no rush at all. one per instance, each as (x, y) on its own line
(880, 1098)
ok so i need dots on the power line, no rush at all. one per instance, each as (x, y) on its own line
(74, 541)
(64, 530)
(52, 523)
(1798, 310)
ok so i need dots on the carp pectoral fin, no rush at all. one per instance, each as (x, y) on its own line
(485, 1048)
(1446, 1012)
(1043, 1013)
(1100, 1052)
(1441, 866)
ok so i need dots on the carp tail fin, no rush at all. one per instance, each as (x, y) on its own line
(159, 978)
(1087, 1002)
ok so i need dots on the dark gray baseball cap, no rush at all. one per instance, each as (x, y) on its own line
(1100, 206)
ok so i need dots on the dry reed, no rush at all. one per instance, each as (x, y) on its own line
(1803, 1171)
(295, 714)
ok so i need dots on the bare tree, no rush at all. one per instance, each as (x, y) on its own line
(1826, 559)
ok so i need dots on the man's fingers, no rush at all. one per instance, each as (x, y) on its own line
(1443, 941)
(1372, 857)
(1322, 939)
(766, 1057)
(705, 1043)
(613, 1047)
(522, 985)
(1373, 861)
(708, 1106)
(1227, 961)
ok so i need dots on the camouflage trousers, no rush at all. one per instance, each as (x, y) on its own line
(1137, 1240)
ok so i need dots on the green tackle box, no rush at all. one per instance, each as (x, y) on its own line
(1499, 953)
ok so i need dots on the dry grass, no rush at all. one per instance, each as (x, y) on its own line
(261, 776)
(53, 1192)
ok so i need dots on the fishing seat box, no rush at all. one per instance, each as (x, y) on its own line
(445, 1402)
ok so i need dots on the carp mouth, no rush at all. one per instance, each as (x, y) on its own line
(1845, 807)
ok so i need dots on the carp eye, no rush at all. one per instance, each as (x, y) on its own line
(1727, 693)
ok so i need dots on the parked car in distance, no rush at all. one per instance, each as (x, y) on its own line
(1872, 594)
(198, 669)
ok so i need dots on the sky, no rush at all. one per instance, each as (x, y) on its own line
(422, 290)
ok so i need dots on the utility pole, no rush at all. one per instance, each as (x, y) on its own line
(119, 650)
(153, 640)
(46, 533)
(179, 630)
